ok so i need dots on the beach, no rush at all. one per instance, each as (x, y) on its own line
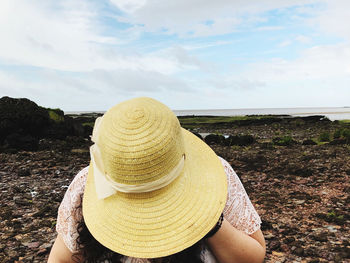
(295, 170)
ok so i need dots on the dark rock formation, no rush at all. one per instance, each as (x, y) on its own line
(23, 123)
(21, 116)
(240, 140)
(214, 139)
(338, 141)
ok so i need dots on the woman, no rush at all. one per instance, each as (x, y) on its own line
(154, 192)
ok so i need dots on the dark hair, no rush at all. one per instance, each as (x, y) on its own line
(92, 251)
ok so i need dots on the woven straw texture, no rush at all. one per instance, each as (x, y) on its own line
(141, 140)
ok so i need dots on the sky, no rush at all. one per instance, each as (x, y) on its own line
(85, 55)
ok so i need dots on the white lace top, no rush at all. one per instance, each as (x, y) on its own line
(239, 211)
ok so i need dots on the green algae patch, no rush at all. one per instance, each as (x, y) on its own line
(55, 117)
(344, 121)
(283, 141)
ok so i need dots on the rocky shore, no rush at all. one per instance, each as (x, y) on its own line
(295, 170)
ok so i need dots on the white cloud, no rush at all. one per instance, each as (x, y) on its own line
(200, 17)
(334, 19)
(96, 90)
(66, 37)
(230, 82)
(299, 38)
(209, 44)
(285, 43)
(303, 39)
(318, 77)
(318, 62)
(269, 28)
(129, 6)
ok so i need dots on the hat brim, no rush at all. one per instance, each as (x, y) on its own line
(165, 221)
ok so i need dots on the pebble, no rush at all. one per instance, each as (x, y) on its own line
(41, 252)
(269, 236)
(331, 229)
(322, 237)
(32, 244)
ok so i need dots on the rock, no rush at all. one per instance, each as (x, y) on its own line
(269, 236)
(47, 245)
(331, 229)
(338, 141)
(17, 141)
(299, 171)
(299, 251)
(46, 210)
(32, 244)
(288, 240)
(310, 252)
(21, 116)
(254, 161)
(23, 123)
(322, 237)
(87, 130)
(42, 252)
(24, 172)
(267, 146)
(240, 140)
(315, 118)
(214, 139)
(22, 201)
(309, 142)
(274, 244)
(289, 230)
(266, 225)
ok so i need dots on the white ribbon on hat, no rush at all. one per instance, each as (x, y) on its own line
(104, 184)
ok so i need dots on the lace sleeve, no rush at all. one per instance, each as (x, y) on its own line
(239, 210)
(68, 216)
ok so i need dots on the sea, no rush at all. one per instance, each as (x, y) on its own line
(332, 113)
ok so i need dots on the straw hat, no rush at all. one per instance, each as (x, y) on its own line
(153, 188)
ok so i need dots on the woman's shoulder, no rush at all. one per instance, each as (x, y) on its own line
(239, 210)
(80, 179)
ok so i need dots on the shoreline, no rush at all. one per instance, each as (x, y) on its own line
(333, 116)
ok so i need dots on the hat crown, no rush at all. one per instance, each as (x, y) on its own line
(140, 141)
(135, 114)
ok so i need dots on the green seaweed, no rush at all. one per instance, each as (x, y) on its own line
(55, 117)
(283, 141)
(324, 137)
(344, 121)
(91, 124)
